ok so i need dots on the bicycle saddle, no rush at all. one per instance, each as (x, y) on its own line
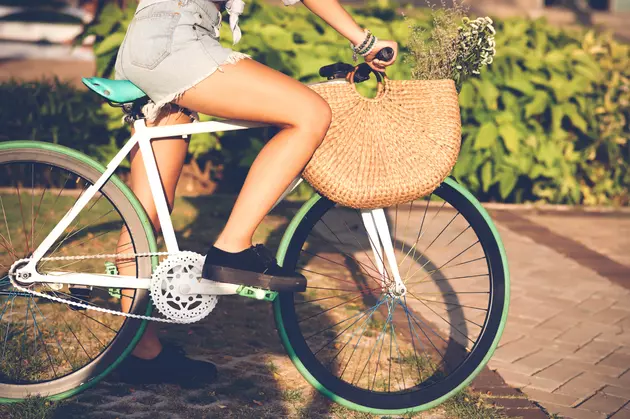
(117, 91)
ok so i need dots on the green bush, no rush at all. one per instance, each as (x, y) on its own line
(56, 112)
(549, 120)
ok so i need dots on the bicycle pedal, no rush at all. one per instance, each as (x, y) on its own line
(80, 293)
(256, 293)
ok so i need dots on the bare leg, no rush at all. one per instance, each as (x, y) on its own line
(251, 91)
(170, 154)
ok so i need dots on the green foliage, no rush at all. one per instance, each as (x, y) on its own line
(56, 112)
(549, 120)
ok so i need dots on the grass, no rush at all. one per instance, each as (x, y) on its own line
(30, 408)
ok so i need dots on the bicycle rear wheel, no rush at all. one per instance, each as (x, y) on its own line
(48, 348)
(376, 352)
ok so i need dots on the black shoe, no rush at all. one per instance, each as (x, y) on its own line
(254, 267)
(171, 366)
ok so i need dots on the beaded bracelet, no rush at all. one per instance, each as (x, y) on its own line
(358, 49)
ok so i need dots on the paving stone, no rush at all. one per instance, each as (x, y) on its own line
(561, 372)
(617, 391)
(616, 359)
(510, 402)
(533, 413)
(537, 361)
(581, 386)
(596, 304)
(518, 379)
(597, 369)
(573, 413)
(621, 414)
(610, 316)
(546, 397)
(580, 334)
(515, 350)
(604, 403)
(594, 351)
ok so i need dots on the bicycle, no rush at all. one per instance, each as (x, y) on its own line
(410, 315)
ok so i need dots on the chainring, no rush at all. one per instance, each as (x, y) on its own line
(176, 270)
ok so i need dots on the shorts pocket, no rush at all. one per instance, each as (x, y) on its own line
(151, 38)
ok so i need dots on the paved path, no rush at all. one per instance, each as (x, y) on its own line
(567, 342)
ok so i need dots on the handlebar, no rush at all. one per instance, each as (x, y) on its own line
(340, 70)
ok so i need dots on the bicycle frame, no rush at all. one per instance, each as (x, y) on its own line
(374, 220)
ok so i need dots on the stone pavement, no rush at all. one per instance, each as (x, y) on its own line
(567, 341)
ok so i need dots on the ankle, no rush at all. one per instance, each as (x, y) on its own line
(232, 246)
(147, 351)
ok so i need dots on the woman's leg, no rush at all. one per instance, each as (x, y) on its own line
(251, 91)
(170, 154)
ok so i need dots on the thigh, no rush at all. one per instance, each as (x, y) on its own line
(252, 91)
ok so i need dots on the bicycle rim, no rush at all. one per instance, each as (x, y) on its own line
(372, 352)
(47, 347)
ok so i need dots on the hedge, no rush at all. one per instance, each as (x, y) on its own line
(548, 120)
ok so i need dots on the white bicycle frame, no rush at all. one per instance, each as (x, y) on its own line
(374, 221)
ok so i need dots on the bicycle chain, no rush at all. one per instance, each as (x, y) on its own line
(91, 307)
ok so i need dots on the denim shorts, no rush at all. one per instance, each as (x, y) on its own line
(171, 46)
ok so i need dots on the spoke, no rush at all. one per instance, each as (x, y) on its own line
(420, 233)
(341, 243)
(40, 334)
(440, 234)
(446, 279)
(447, 303)
(371, 310)
(19, 194)
(364, 292)
(331, 308)
(447, 322)
(449, 261)
(328, 276)
(365, 323)
(415, 320)
(4, 215)
(73, 334)
(361, 313)
(97, 321)
(54, 205)
(413, 344)
(378, 339)
(457, 237)
(39, 206)
(57, 340)
(377, 280)
(6, 335)
(399, 357)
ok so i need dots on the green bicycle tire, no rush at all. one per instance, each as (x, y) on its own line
(305, 219)
(142, 230)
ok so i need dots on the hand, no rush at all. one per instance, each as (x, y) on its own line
(379, 65)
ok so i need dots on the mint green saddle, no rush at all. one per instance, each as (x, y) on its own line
(117, 91)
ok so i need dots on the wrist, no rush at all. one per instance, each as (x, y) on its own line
(356, 36)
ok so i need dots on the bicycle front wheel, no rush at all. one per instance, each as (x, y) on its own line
(49, 348)
(376, 352)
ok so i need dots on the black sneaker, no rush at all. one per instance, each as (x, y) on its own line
(171, 366)
(254, 267)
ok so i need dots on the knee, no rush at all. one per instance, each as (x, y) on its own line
(314, 120)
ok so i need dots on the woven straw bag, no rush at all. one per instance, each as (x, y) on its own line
(386, 150)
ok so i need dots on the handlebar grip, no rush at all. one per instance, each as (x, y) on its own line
(386, 54)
